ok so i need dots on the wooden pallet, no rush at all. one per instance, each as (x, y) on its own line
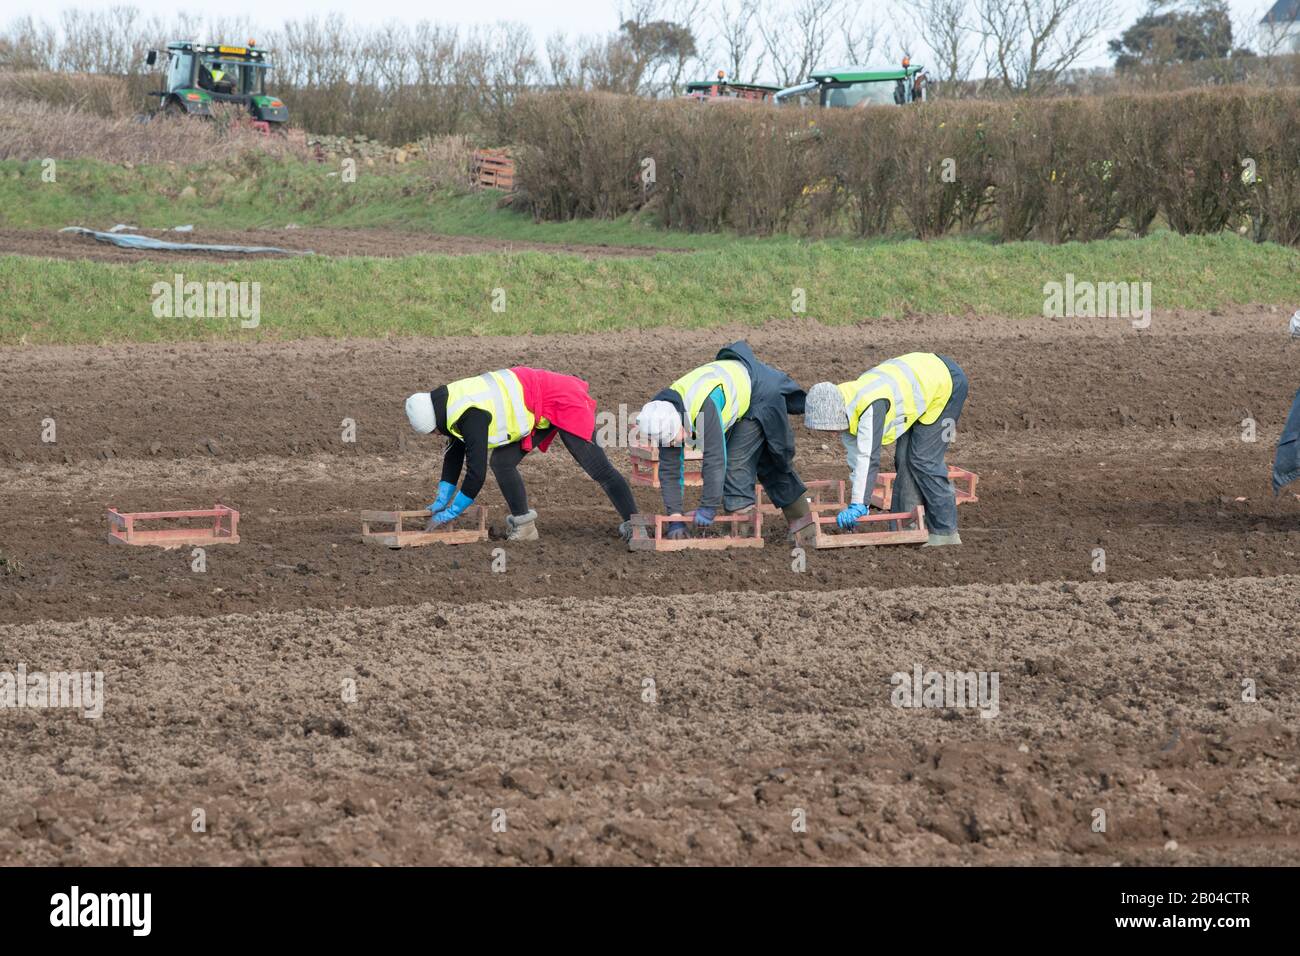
(829, 494)
(811, 530)
(649, 533)
(493, 169)
(823, 493)
(223, 529)
(645, 465)
(963, 481)
(399, 537)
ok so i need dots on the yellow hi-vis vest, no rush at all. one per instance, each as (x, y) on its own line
(917, 386)
(695, 388)
(501, 396)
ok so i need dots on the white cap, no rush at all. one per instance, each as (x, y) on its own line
(1295, 325)
(660, 423)
(419, 409)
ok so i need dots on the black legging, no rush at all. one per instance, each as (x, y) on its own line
(505, 466)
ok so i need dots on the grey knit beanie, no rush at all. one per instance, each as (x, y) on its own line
(824, 409)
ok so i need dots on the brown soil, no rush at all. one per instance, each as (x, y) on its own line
(51, 243)
(1083, 438)
(1120, 691)
(1119, 698)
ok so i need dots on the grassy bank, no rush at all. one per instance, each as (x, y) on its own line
(750, 282)
(259, 192)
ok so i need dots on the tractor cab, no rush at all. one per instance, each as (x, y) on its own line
(198, 75)
(858, 86)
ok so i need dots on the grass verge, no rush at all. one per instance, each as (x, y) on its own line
(74, 302)
(256, 191)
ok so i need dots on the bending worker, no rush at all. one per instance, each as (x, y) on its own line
(511, 412)
(912, 402)
(738, 409)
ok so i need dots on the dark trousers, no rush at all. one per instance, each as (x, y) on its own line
(1286, 463)
(919, 460)
(505, 466)
(749, 460)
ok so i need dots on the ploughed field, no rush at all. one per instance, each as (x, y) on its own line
(603, 706)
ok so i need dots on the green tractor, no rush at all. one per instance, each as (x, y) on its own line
(198, 75)
(858, 86)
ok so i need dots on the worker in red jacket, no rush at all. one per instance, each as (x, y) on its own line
(510, 412)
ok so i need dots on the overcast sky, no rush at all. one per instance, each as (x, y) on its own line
(545, 17)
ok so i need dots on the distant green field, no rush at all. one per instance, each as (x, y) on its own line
(61, 301)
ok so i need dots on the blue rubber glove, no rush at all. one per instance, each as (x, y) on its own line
(445, 490)
(847, 518)
(462, 502)
(677, 531)
(704, 516)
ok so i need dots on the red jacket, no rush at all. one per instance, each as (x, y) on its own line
(562, 400)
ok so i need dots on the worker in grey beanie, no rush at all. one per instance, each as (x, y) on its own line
(912, 402)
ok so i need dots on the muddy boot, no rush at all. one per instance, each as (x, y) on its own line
(625, 531)
(522, 527)
(939, 540)
(797, 509)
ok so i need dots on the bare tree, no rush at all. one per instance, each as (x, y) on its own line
(236, 30)
(949, 35)
(684, 54)
(1028, 44)
(1267, 34)
(735, 26)
(316, 52)
(608, 64)
(500, 63)
(29, 45)
(862, 37)
(394, 64)
(99, 41)
(561, 65)
(796, 39)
